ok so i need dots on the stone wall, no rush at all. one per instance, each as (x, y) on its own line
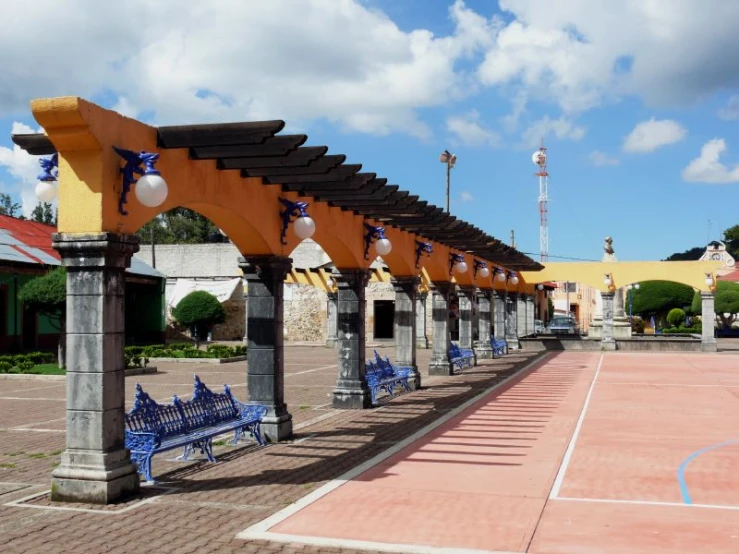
(305, 314)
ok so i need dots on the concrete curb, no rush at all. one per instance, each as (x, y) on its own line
(35, 377)
(201, 360)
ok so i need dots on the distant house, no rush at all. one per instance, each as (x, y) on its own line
(26, 252)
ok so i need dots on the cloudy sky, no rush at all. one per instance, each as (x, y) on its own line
(637, 100)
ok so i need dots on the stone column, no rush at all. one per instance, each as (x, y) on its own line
(422, 340)
(530, 313)
(265, 376)
(499, 312)
(246, 313)
(708, 316)
(332, 319)
(441, 333)
(351, 387)
(483, 349)
(511, 320)
(521, 315)
(405, 325)
(607, 341)
(464, 295)
(95, 467)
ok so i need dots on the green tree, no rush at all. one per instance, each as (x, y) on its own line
(47, 294)
(7, 206)
(659, 297)
(199, 310)
(676, 317)
(726, 303)
(731, 238)
(44, 213)
(180, 226)
(689, 255)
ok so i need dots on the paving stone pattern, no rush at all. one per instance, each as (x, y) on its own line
(213, 502)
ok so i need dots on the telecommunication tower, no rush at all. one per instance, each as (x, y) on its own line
(540, 160)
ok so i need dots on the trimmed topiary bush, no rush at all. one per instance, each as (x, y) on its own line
(48, 294)
(676, 317)
(199, 310)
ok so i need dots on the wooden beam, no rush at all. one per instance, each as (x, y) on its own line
(36, 144)
(186, 136)
(317, 166)
(338, 174)
(275, 146)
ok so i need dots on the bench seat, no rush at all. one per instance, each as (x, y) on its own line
(461, 357)
(381, 374)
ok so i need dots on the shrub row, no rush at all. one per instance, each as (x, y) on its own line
(138, 356)
(25, 362)
(681, 329)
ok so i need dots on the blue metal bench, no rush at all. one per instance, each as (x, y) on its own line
(152, 428)
(500, 347)
(381, 374)
(461, 357)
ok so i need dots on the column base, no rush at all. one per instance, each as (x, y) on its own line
(484, 352)
(513, 344)
(352, 398)
(422, 343)
(94, 477)
(331, 343)
(277, 428)
(441, 368)
(709, 345)
(415, 380)
(608, 344)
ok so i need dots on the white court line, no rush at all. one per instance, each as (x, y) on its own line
(31, 398)
(311, 370)
(368, 545)
(31, 430)
(260, 530)
(671, 385)
(571, 447)
(647, 503)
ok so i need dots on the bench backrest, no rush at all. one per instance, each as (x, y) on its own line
(205, 409)
(454, 350)
(148, 416)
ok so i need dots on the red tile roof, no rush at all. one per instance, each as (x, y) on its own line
(30, 233)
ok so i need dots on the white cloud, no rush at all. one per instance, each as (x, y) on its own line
(600, 159)
(581, 53)
(231, 60)
(707, 168)
(731, 111)
(562, 128)
(466, 197)
(469, 130)
(647, 136)
(23, 167)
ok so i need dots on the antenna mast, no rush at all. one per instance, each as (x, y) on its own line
(540, 159)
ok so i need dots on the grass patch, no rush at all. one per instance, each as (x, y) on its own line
(37, 455)
(18, 453)
(56, 452)
(47, 369)
(219, 443)
(304, 407)
(7, 466)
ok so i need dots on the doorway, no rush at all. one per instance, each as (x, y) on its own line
(384, 319)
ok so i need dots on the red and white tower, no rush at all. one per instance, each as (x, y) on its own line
(540, 159)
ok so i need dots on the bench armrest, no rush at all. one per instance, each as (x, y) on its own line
(251, 411)
(142, 441)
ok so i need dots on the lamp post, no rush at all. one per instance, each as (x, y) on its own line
(449, 159)
(631, 301)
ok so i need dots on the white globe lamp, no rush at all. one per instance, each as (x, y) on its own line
(383, 247)
(514, 280)
(501, 277)
(46, 191)
(461, 267)
(304, 227)
(484, 272)
(151, 190)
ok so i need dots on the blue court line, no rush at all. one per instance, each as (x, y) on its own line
(686, 461)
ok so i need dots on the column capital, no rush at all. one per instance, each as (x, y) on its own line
(95, 249)
(403, 283)
(466, 290)
(351, 277)
(259, 267)
(442, 287)
(707, 294)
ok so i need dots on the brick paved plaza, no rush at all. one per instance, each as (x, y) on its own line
(207, 505)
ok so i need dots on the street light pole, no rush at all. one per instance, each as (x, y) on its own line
(449, 159)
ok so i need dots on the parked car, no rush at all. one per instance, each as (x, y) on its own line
(563, 325)
(539, 327)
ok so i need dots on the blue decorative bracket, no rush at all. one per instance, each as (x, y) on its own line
(498, 271)
(131, 169)
(422, 248)
(454, 259)
(479, 264)
(292, 210)
(373, 235)
(48, 165)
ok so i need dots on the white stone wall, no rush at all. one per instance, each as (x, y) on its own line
(305, 314)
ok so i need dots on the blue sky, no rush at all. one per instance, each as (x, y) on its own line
(638, 106)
